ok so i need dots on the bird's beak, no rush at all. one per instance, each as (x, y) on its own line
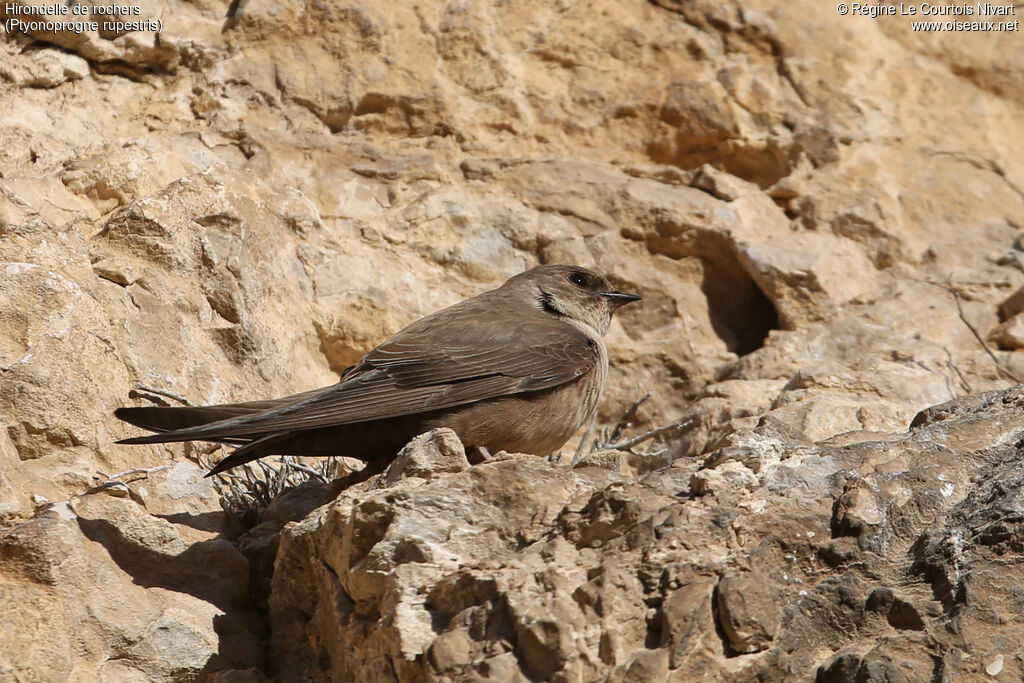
(618, 298)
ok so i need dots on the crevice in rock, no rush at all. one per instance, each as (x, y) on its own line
(938, 669)
(133, 72)
(935, 561)
(716, 616)
(655, 630)
(835, 525)
(741, 314)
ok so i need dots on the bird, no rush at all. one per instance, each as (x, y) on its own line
(518, 368)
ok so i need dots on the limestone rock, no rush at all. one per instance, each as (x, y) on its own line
(626, 570)
(822, 213)
(748, 612)
(428, 454)
(144, 597)
(1010, 334)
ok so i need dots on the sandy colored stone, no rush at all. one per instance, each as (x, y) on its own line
(748, 611)
(131, 587)
(428, 454)
(242, 205)
(1010, 334)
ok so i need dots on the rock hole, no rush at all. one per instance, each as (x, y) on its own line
(741, 314)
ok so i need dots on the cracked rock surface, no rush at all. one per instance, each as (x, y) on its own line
(823, 216)
(826, 560)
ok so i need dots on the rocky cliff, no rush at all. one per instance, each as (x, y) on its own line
(823, 213)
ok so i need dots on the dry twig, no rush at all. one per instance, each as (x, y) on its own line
(627, 444)
(159, 392)
(608, 440)
(138, 470)
(953, 366)
(960, 310)
(627, 416)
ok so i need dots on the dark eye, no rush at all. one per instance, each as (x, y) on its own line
(578, 279)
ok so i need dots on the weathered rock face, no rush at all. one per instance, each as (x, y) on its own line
(821, 212)
(773, 559)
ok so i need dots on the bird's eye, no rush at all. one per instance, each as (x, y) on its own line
(578, 279)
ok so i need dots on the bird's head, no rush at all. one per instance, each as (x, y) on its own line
(575, 293)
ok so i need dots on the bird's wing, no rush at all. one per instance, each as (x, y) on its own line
(421, 370)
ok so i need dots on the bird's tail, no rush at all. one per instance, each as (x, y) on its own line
(167, 421)
(162, 419)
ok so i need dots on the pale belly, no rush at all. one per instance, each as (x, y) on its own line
(537, 423)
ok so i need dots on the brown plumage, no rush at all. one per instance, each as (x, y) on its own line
(518, 368)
